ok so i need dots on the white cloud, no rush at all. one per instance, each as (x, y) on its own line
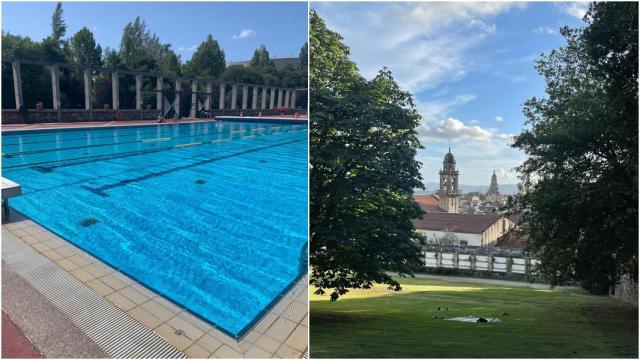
(545, 30)
(577, 9)
(424, 44)
(454, 129)
(434, 109)
(243, 34)
(499, 119)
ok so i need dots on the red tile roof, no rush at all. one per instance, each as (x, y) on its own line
(463, 223)
(428, 203)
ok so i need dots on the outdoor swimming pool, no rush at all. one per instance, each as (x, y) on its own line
(213, 215)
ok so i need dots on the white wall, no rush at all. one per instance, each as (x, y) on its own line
(471, 239)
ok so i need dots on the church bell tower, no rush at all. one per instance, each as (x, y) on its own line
(448, 194)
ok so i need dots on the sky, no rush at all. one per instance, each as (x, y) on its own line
(240, 28)
(470, 67)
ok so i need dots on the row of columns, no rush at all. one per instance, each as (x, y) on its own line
(278, 97)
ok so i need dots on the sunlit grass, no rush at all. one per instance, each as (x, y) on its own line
(379, 322)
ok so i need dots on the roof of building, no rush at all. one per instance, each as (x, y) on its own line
(280, 63)
(428, 203)
(461, 223)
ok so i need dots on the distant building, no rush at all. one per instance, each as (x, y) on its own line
(448, 193)
(279, 63)
(463, 229)
(493, 195)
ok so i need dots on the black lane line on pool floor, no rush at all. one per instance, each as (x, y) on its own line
(101, 190)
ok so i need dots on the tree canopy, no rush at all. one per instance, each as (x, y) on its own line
(363, 145)
(84, 49)
(261, 61)
(58, 25)
(208, 60)
(581, 216)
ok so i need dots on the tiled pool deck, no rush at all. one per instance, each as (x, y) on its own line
(280, 333)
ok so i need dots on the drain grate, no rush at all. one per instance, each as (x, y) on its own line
(200, 181)
(119, 335)
(86, 222)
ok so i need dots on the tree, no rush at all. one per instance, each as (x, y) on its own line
(581, 216)
(58, 26)
(363, 146)
(261, 61)
(208, 60)
(303, 64)
(84, 50)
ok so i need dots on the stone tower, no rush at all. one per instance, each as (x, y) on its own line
(448, 194)
(493, 194)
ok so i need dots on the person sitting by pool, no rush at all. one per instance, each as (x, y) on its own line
(160, 118)
(281, 108)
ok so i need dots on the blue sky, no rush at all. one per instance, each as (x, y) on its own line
(470, 67)
(239, 27)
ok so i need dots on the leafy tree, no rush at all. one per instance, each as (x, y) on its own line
(58, 26)
(84, 50)
(207, 60)
(581, 217)
(363, 147)
(133, 43)
(303, 64)
(261, 61)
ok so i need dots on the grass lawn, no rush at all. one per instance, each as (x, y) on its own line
(379, 323)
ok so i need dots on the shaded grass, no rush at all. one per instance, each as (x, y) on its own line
(541, 323)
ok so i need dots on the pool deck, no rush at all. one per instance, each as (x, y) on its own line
(155, 322)
(101, 124)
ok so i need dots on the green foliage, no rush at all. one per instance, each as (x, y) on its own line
(58, 26)
(208, 59)
(304, 58)
(581, 217)
(363, 147)
(84, 50)
(261, 61)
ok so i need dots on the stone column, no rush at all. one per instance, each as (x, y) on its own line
(17, 84)
(138, 91)
(254, 98)
(159, 96)
(176, 102)
(87, 89)
(234, 96)
(287, 97)
(263, 104)
(194, 98)
(293, 98)
(55, 86)
(272, 98)
(209, 101)
(223, 88)
(279, 98)
(115, 90)
(245, 96)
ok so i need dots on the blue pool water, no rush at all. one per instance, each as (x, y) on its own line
(211, 215)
